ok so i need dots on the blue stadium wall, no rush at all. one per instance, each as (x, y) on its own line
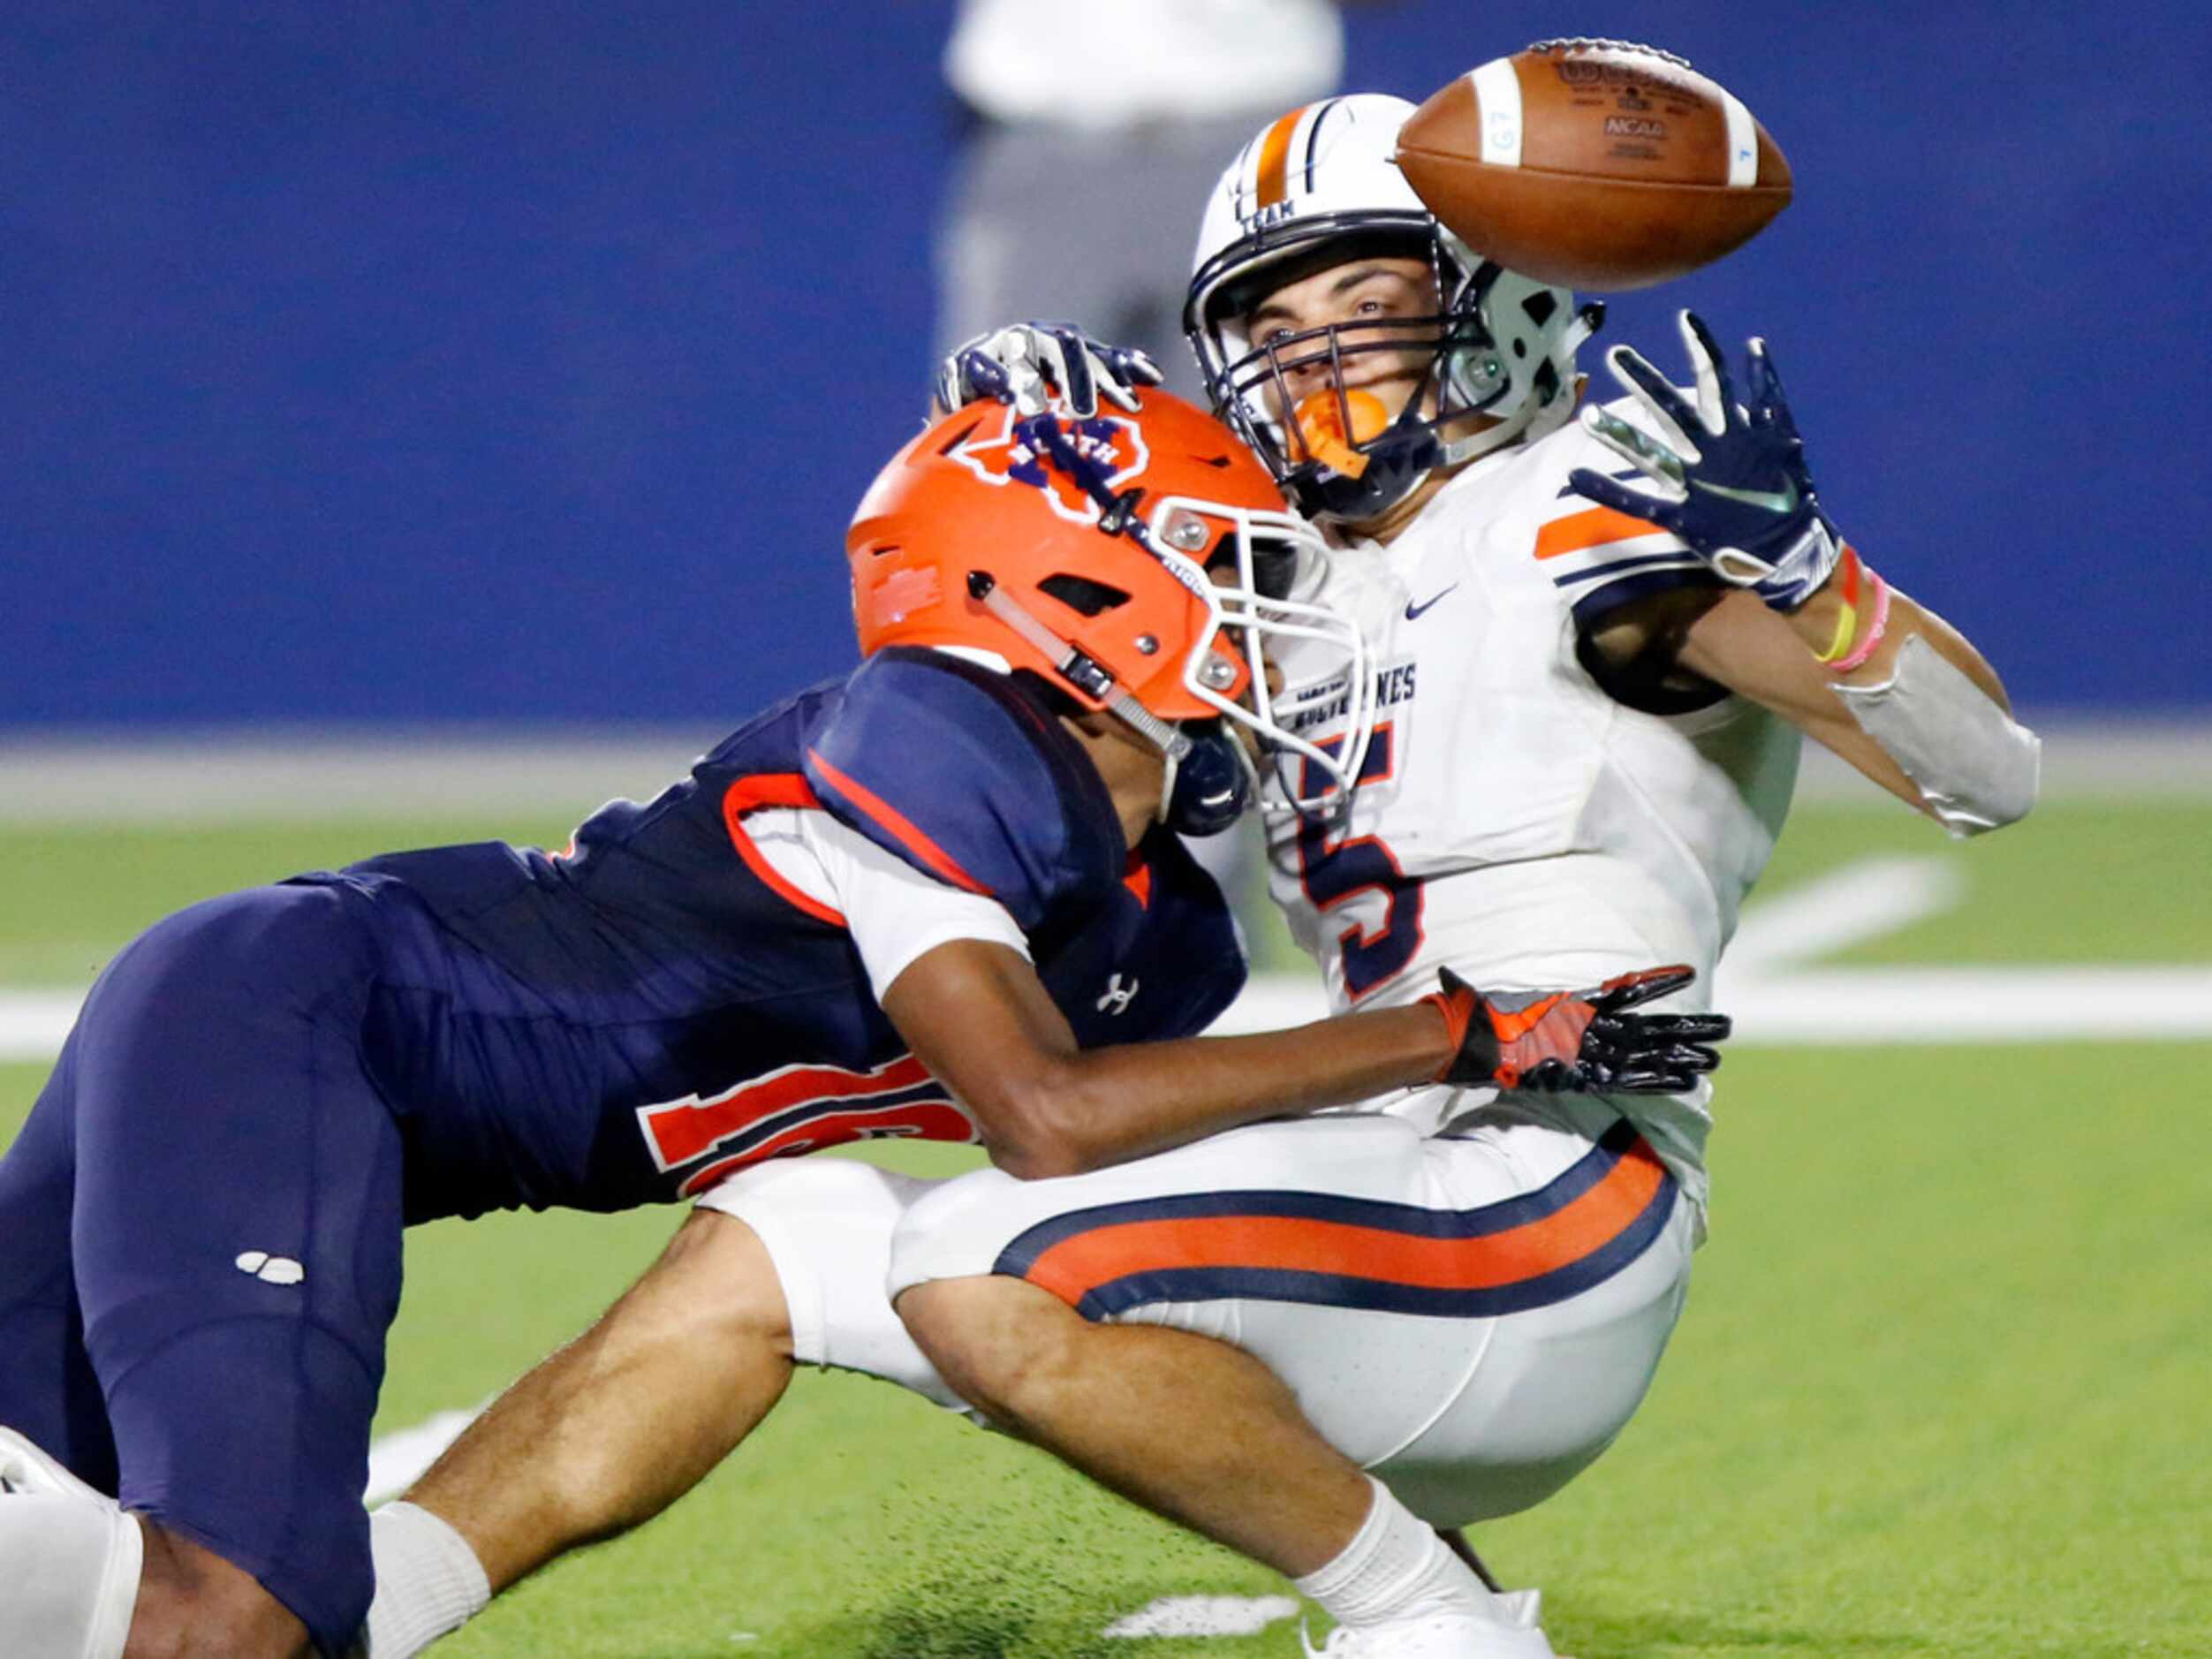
(521, 362)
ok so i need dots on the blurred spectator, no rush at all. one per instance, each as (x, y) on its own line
(1097, 126)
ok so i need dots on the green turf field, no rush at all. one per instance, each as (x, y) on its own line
(1941, 1388)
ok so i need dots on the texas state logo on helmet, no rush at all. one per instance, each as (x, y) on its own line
(1314, 188)
(1141, 561)
(1003, 455)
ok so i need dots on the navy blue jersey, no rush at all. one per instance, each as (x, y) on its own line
(635, 1018)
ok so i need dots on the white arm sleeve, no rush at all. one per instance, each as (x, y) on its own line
(1974, 765)
(893, 911)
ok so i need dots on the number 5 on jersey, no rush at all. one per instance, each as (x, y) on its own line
(1336, 875)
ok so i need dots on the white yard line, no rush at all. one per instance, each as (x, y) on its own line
(1778, 1001)
(1204, 1616)
(1801, 1007)
(397, 1460)
(1789, 1009)
(1859, 1005)
(34, 1023)
(1843, 907)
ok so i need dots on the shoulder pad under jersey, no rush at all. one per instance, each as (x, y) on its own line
(967, 777)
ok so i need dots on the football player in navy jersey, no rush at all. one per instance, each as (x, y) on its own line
(938, 898)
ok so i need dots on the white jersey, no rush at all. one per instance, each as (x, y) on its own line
(1514, 821)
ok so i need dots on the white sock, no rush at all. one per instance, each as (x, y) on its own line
(1396, 1567)
(428, 1582)
(71, 1576)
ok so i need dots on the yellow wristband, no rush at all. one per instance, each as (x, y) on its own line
(1847, 617)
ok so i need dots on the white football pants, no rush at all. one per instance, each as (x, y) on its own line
(1471, 1317)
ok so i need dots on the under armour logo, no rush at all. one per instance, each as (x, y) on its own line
(270, 1269)
(1117, 997)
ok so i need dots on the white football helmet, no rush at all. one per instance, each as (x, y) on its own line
(1315, 188)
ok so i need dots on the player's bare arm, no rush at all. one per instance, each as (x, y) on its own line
(975, 1014)
(1681, 640)
(1738, 642)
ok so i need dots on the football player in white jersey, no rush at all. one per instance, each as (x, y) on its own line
(1598, 644)
(1319, 1340)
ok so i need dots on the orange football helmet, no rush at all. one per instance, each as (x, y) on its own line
(1142, 562)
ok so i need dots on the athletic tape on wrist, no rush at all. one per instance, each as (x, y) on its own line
(1974, 766)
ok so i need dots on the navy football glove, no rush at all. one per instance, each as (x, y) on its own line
(1579, 1041)
(1735, 486)
(1040, 367)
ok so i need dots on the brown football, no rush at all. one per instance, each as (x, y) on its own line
(1593, 164)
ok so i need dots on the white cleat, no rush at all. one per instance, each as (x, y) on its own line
(1512, 1634)
(70, 1559)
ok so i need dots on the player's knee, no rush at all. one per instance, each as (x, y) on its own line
(716, 1280)
(1004, 1345)
(954, 1231)
(195, 1604)
(841, 1192)
(810, 1218)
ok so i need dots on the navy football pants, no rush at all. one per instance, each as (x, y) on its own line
(200, 1243)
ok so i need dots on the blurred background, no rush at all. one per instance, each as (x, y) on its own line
(515, 366)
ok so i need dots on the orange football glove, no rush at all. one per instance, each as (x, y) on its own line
(1578, 1041)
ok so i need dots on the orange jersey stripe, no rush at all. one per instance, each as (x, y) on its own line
(682, 1130)
(776, 789)
(1275, 156)
(909, 835)
(1076, 1266)
(1593, 526)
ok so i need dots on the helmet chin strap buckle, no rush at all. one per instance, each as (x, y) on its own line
(1080, 672)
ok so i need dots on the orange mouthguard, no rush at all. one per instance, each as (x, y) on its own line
(1320, 424)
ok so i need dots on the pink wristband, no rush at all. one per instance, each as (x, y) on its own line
(1872, 638)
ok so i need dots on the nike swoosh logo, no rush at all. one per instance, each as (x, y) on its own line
(1413, 612)
(1783, 501)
